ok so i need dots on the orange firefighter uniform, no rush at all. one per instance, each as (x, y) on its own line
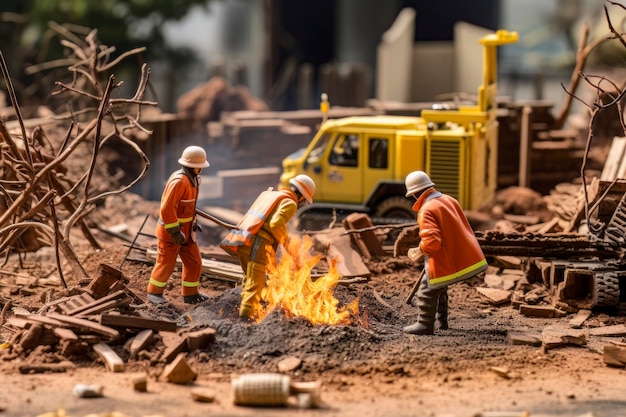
(264, 226)
(447, 239)
(178, 210)
(452, 254)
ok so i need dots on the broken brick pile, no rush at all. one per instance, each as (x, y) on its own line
(95, 318)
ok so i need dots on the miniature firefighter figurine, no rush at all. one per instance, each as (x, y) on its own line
(176, 229)
(448, 246)
(262, 227)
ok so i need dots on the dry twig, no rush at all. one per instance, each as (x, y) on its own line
(34, 177)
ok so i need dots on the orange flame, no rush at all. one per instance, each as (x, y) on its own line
(290, 287)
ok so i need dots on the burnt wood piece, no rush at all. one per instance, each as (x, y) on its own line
(106, 279)
(134, 322)
(366, 241)
(561, 245)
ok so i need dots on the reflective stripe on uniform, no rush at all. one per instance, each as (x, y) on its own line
(190, 284)
(467, 272)
(253, 220)
(171, 225)
(185, 220)
(157, 283)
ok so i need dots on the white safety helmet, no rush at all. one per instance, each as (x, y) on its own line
(305, 185)
(194, 157)
(416, 182)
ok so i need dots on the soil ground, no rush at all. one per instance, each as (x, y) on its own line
(366, 368)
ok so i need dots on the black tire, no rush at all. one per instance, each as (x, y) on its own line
(607, 284)
(396, 207)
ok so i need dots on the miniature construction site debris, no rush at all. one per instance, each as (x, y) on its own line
(272, 389)
(88, 391)
(614, 354)
(202, 394)
(140, 382)
(179, 371)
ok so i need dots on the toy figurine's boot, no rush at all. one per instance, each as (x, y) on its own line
(441, 317)
(427, 301)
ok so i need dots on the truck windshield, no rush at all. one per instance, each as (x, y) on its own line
(317, 152)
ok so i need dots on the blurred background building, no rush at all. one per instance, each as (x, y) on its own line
(288, 52)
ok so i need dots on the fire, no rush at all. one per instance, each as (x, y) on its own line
(290, 287)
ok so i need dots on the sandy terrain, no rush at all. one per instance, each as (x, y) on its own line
(366, 368)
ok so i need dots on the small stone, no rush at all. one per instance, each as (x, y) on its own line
(88, 391)
(204, 395)
(289, 364)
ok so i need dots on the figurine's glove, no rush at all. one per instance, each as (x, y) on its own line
(197, 227)
(415, 254)
(177, 236)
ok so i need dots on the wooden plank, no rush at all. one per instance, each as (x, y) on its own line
(615, 330)
(134, 322)
(613, 159)
(143, 339)
(227, 270)
(45, 320)
(65, 334)
(94, 303)
(86, 325)
(109, 305)
(18, 322)
(111, 360)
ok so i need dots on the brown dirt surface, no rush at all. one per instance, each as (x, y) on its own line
(366, 368)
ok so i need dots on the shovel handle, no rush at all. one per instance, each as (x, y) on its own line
(215, 219)
(415, 287)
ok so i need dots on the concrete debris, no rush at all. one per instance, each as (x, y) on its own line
(85, 319)
(204, 395)
(615, 354)
(140, 383)
(581, 316)
(179, 371)
(554, 337)
(524, 339)
(88, 391)
(495, 297)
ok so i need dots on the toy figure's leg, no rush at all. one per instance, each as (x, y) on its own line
(163, 268)
(192, 267)
(441, 318)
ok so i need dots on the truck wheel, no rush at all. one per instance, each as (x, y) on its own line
(396, 207)
(607, 284)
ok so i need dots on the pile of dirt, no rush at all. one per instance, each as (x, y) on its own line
(368, 357)
(373, 340)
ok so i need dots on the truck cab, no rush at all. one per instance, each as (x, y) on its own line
(359, 163)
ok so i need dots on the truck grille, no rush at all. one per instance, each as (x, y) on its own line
(445, 166)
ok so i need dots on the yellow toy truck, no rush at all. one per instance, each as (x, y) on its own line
(359, 163)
